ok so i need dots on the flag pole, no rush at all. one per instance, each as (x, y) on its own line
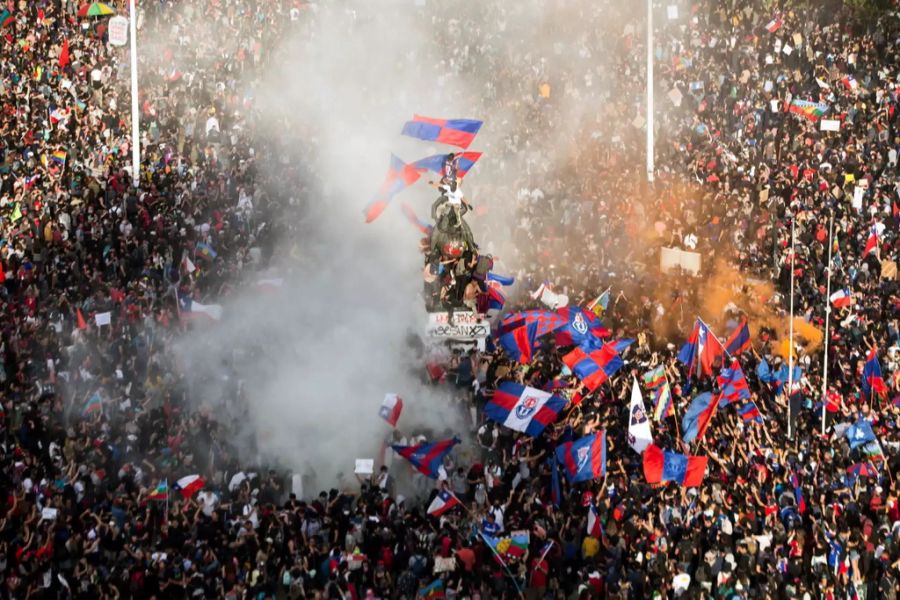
(650, 165)
(674, 408)
(135, 113)
(791, 334)
(827, 324)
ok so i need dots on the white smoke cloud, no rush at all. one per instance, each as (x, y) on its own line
(317, 357)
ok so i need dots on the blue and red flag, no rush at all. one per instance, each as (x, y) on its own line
(662, 466)
(583, 459)
(399, 176)
(732, 385)
(778, 378)
(872, 381)
(547, 321)
(555, 490)
(523, 408)
(455, 132)
(519, 343)
(595, 367)
(698, 416)
(518, 333)
(496, 299)
(750, 412)
(739, 341)
(418, 223)
(865, 469)
(426, 457)
(798, 494)
(465, 161)
(503, 280)
(620, 345)
(582, 328)
(702, 351)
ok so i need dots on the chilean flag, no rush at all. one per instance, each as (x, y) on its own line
(427, 457)
(399, 176)
(454, 132)
(190, 485)
(661, 466)
(841, 298)
(871, 243)
(523, 408)
(701, 351)
(390, 409)
(594, 525)
(584, 459)
(444, 501)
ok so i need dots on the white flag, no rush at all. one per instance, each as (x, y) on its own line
(639, 435)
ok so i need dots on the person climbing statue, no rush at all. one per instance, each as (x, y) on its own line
(450, 227)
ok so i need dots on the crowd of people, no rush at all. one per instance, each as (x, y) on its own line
(100, 278)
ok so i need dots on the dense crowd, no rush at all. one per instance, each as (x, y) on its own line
(100, 278)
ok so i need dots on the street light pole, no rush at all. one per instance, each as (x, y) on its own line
(135, 113)
(650, 166)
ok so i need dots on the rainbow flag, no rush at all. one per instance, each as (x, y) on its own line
(434, 590)
(58, 156)
(662, 402)
(92, 406)
(811, 110)
(161, 493)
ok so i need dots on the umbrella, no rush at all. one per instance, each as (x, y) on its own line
(862, 470)
(95, 9)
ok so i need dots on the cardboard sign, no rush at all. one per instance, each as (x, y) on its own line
(364, 466)
(673, 258)
(118, 31)
(829, 125)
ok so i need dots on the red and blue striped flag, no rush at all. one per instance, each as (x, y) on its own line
(454, 132)
(399, 176)
(465, 161)
(583, 459)
(427, 457)
(523, 408)
(739, 340)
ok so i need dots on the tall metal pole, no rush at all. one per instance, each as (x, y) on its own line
(827, 323)
(135, 114)
(650, 167)
(791, 335)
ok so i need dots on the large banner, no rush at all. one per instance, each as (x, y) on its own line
(466, 326)
(671, 259)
